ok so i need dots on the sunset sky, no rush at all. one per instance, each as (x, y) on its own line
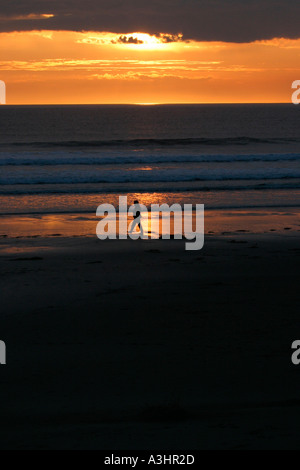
(180, 51)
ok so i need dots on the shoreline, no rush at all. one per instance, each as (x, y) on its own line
(217, 222)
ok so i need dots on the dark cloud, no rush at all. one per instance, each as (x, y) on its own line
(167, 38)
(224, 20)
(128, 40)
(164, 38)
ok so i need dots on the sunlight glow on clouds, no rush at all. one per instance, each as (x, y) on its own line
(134, 40)
(106, 67)
(30, 16)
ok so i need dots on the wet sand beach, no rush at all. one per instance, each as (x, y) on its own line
(141, 344)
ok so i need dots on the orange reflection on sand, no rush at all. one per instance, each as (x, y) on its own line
(216, 222)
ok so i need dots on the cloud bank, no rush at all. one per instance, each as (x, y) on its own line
(200, 20)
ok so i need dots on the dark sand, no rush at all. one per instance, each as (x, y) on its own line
(143, 345)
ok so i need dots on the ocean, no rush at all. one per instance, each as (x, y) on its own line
(61, 159)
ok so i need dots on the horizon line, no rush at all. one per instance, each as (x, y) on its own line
(147, 104)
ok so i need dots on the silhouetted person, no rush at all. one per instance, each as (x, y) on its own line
(137, 219)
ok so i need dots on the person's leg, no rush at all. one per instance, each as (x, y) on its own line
(133, 225)
(141, 229)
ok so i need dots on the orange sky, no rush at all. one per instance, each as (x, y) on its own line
(49, 67)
